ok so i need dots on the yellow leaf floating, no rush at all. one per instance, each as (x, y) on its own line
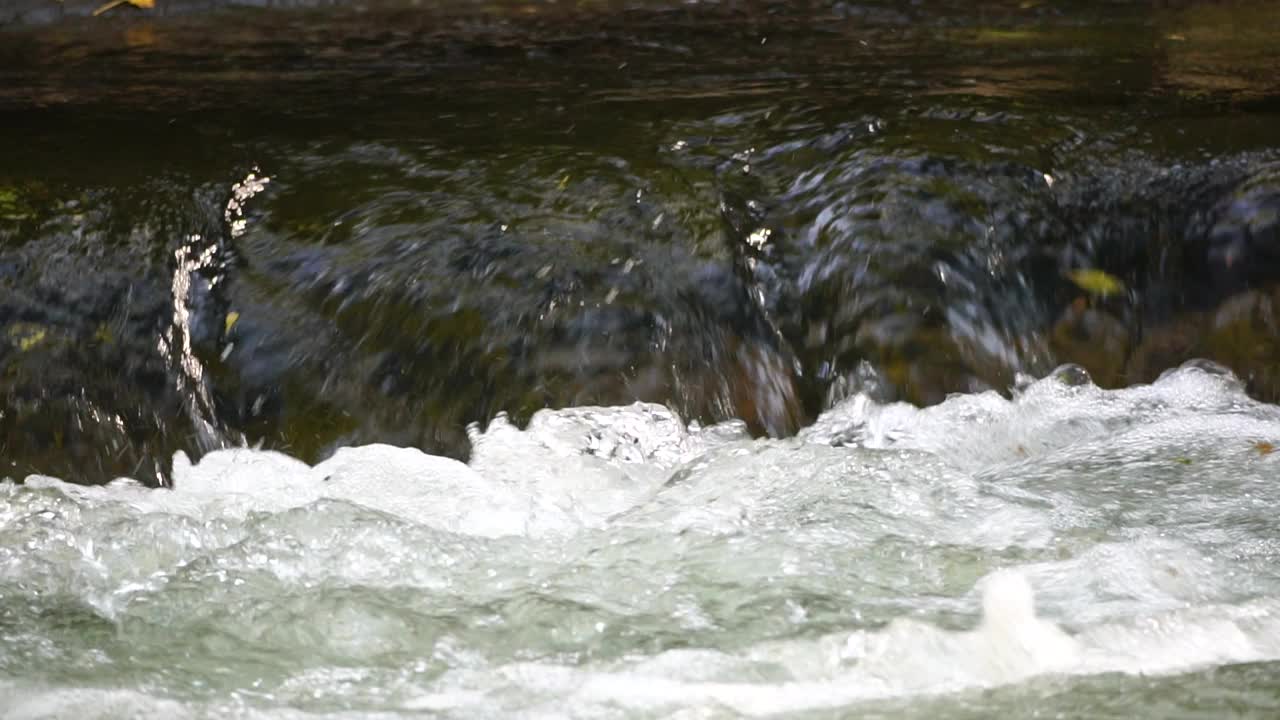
(1096, 282)
(230, 322)
(103, 334)
(27, 336)
(144, 4)
(11, 205)
(29, 342)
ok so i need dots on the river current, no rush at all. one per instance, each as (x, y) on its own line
(1072, 552)
(646, 359)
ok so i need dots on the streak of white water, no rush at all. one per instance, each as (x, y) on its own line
(612, 562)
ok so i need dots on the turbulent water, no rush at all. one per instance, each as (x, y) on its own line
(639, 358)
(1072, 552)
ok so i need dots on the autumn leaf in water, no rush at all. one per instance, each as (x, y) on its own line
(144, 4)
(11, 205)
(1264, 448)
(1096, 282)
(27, 335)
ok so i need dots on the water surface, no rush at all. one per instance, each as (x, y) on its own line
(322, 228)
(617, 563)
(425, 261)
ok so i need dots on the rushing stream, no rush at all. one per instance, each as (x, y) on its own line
(614, 563)
(640, 359)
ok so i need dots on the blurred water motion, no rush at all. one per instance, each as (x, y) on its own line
(742, 210)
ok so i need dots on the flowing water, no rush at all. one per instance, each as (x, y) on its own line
(639, 359)
(616, 563)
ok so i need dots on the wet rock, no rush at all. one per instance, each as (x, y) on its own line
(87, 391)
(1244, 242)
(1091, 338)
(1242, 334)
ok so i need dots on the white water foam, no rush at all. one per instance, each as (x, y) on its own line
(613, 561)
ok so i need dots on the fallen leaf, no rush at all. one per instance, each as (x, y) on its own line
(1264, 448)
(1096, 282)
(103, 334)
(143, 4)
(27, 336)
(230, 322)
(11, 205)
